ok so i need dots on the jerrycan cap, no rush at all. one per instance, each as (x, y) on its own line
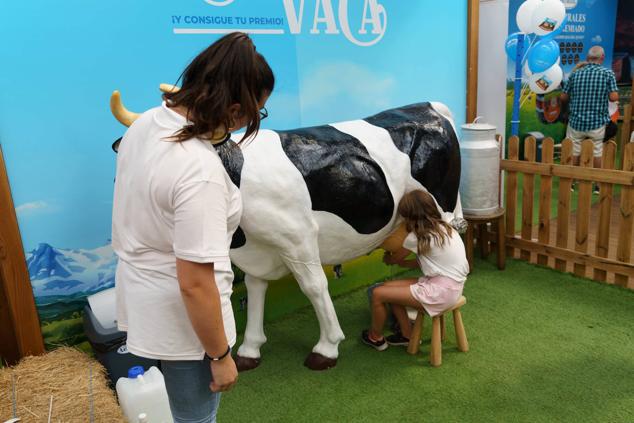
(136, 371)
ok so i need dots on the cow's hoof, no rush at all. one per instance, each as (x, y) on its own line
(316, 361)
(245, 363)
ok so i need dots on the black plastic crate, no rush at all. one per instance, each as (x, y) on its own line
(109, 346)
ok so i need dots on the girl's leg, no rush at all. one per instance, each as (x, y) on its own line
(403, 319)
(397, 293)
(391, 318)
(399, 312)
(400, 282)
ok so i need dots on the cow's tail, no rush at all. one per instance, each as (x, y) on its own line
(455, 217)
(458, 221)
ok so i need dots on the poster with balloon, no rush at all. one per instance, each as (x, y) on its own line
(554, 36)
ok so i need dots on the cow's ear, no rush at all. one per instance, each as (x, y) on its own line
(115, 145)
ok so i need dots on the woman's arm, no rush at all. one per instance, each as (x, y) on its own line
(202, 301)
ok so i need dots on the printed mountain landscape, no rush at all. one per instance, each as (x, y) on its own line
(62, 279)
(66, 272)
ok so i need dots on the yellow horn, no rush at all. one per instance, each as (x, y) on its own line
(119, 111)
(169, 88)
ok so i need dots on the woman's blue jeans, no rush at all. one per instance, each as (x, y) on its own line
(187, 383)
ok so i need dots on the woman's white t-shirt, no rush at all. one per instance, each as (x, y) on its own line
(171, 200)
(448, 260)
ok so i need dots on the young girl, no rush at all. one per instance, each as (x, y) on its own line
(440, 254)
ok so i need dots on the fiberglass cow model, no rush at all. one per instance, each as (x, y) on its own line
(326, 195)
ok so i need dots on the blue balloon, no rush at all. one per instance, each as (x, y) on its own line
(543, 55)
(511, 44)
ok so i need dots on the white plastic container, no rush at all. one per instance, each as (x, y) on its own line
(144, 393)
(103, 306)
(480, 173)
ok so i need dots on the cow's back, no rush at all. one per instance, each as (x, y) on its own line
(429, 140)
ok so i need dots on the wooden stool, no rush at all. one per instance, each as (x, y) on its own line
(438, 333)
(482, 220)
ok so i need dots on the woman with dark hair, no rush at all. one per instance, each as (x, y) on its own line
(174, 214)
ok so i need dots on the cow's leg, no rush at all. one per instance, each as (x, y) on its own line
(313, 283)
(248, 356)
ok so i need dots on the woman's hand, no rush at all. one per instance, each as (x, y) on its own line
(224, 374)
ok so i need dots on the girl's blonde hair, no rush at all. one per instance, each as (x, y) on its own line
(422, 217)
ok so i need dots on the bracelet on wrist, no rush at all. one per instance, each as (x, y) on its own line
(226, 353)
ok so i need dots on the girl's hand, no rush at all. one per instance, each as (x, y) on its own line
(389, 259)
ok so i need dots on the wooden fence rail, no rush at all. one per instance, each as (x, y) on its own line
(589, 227)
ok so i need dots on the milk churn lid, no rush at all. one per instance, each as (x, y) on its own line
(475, 126)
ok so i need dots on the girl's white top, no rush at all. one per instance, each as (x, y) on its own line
(171, 200)
(449, 260)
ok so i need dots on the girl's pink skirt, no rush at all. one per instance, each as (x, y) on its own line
(437, 293)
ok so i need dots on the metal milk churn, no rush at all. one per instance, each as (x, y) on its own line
(480, 173)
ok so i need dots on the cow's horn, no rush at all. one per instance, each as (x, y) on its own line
(119, 111)
(169, 88)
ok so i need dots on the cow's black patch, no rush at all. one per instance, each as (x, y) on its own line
(238, 239)
(432, 146)
(233, 160)
(341, 176)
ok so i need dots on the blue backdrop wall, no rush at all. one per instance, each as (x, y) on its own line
(334, 60)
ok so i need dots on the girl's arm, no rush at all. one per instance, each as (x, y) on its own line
(410, 264)
(399, 257)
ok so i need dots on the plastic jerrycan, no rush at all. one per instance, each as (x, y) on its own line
(144, 393)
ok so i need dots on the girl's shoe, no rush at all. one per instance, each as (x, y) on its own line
(397, 339)
(377, 345)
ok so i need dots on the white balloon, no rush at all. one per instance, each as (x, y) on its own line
(548, 17)
(524, 17)
(526, 70)
(545, 82)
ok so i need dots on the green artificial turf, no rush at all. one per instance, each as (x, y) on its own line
(544, 347)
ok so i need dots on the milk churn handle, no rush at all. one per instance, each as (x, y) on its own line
(477, 118)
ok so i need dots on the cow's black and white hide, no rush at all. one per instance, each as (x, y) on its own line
(328, 194)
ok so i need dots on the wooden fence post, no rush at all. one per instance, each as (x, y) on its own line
(626, 128)
(563, 204)
(605, 210)
(627, 208)
(584, 202)
(545, 195)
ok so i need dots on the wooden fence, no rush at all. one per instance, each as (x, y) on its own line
(590, 227)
